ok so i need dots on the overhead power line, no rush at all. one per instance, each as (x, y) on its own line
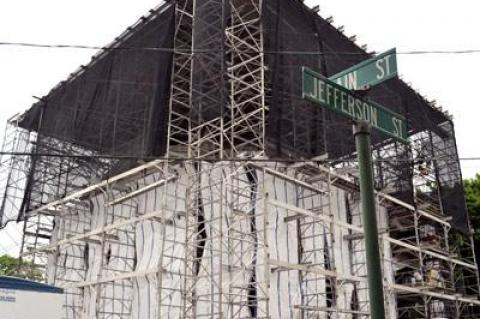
(292, 52)
(273, 159)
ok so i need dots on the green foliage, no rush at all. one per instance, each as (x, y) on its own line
(10, 266)
(472, 196)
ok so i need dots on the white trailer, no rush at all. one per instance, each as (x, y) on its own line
(25, 299)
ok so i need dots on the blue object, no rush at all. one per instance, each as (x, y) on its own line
(7, 282)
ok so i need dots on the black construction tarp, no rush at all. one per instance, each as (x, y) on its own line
(295, 36)
(118, 104)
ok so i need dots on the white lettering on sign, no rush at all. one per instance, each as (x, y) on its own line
(387, 63)
(352, 81)
(397, 124)
(339, 100)
(383, 67)
(329, 94)
(369, 72)
(349, 80)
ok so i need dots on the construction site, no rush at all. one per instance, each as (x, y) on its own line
(180, 174)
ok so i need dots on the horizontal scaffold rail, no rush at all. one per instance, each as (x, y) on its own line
(90, 189)
(307, 213)
(137, 170)
(324, 171)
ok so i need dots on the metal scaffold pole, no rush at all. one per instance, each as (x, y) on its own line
(369, 216)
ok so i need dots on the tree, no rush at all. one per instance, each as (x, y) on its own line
(8, 265)
(11, 266)
(472, 197)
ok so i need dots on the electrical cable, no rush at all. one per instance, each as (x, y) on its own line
(173, 159)
(291, 52)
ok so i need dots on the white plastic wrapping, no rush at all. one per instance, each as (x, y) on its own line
(218, 266)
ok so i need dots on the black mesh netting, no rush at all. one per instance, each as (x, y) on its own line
(118, 105)
(296, 127)
(114, 106)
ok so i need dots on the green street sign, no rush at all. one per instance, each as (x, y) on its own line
(334, 97)
(369, 72)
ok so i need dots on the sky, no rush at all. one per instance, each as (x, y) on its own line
(451, 80)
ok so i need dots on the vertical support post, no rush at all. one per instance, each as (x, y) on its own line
(369, 217)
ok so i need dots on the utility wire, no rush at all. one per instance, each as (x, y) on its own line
(292, 52)
(273, 159)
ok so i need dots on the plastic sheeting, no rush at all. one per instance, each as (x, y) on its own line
(285, 290)
(231, 249)
(150, 247)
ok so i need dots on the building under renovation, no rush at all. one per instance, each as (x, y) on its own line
(180, 174)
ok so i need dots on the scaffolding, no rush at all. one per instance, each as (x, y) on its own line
(269, 240)
(216, 225)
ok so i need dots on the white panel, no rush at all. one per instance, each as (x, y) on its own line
(283, 241)
(149, 244)
(230, 273)
(342, 251)
(95, 259)
(21, 304)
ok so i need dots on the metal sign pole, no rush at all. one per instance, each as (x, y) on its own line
(335, 94)
(369, 219)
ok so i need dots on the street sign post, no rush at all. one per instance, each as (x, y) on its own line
(332, 96)
(369, 72)
(361, 131)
